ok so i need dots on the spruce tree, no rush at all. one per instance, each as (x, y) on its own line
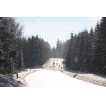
(65, 48)
(101, 48)
(69, 57)
(96, 50)
(36, 51)
(86, 50)
(20, 61)
(81, 51)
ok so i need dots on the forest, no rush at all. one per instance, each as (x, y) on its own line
(17, 52)
(88, 46)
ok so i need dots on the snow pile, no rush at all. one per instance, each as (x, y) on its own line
(12, 81)
(9, 81)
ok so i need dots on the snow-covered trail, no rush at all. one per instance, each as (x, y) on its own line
(49, 63)
(50, 78)
(57, 62)
(45, 77)
(49, 75)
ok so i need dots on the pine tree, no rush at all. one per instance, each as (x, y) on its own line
(100, 51)
(36, 51)
(81, 51)
(28, 53)
(33, 48)
(69, 57)
(65, 48)
(96, 50)
(20, 61)
(41, 53)
(86, 50)
(75, 53)
(90, 44)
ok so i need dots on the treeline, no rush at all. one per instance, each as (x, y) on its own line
(60, 50)
(36, 51)
(17, 52)
(90, 48)
(57, 52)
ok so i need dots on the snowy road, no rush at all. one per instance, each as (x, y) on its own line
(50, 78)
(50, 75)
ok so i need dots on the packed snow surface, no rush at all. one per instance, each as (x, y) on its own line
(56, 76)
(50, 78)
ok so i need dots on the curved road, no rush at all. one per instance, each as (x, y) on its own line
(50, 78)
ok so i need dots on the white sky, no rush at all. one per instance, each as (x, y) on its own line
(52, 28)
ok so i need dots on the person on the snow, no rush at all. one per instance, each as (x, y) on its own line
(63, 62)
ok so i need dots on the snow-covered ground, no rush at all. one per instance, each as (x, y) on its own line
(8, 80)
(50, 78)
(12, 81)
(88, 77)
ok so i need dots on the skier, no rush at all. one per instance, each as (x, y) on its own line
(63, 62)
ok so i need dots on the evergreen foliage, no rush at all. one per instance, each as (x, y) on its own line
(90, 49)
(57, 52)
(11, 42)
(37, 51)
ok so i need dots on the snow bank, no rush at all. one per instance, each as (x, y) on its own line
(12, 81)
(9, 81)
(87, 77)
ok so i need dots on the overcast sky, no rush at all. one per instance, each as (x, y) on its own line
(52, 28)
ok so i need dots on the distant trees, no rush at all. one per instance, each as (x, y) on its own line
(54, 53)
(58, 51)
(37, 51)
(46, 50)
